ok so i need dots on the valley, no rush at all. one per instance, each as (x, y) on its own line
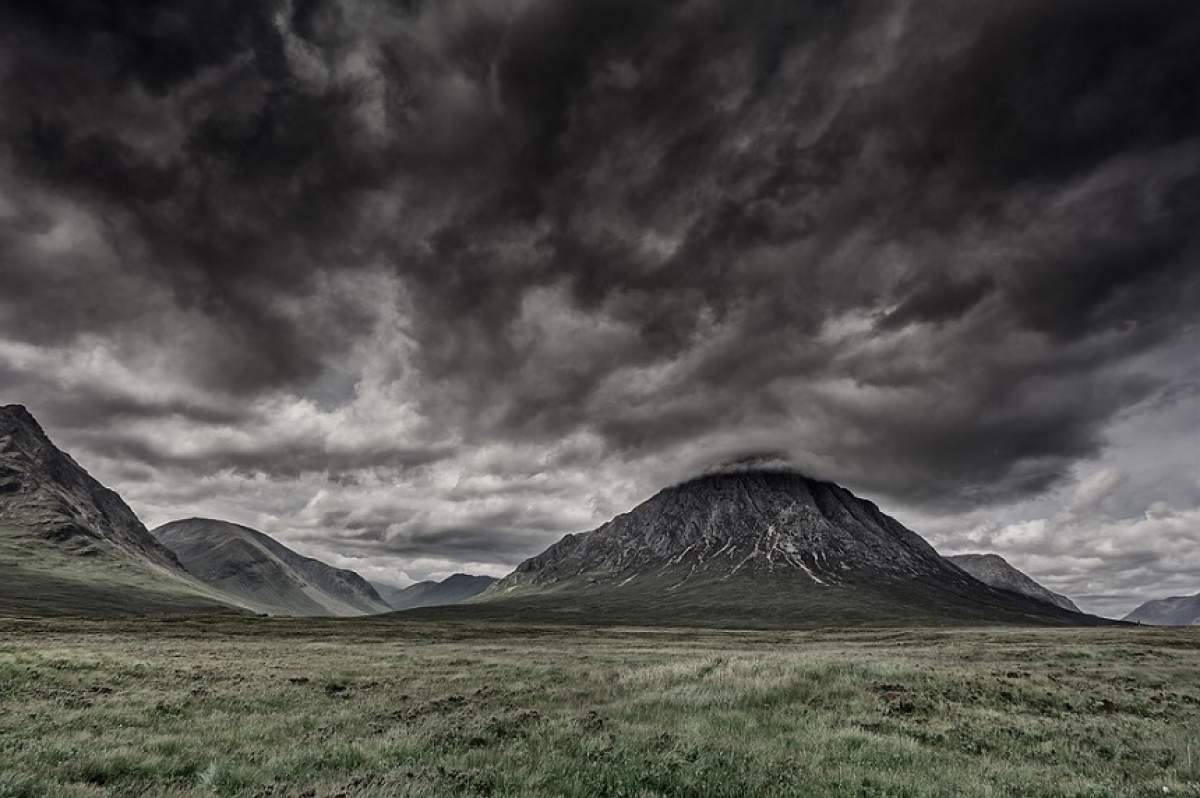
(753, 632)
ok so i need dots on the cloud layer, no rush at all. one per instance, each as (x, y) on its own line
(424, 285)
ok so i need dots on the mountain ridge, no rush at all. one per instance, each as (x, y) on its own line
(1170, 611)
(429, 593)
(264, 573)
(998, 572)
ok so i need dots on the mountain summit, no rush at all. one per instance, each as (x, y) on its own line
(758, 547)
(69, 544)
(45, 494)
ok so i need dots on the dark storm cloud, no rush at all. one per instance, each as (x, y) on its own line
(507, 535)
(921, 244)
(506, 544)
(278, 459)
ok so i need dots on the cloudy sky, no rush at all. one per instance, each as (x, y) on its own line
(417, 287)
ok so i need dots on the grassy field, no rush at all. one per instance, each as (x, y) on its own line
(380, 707)
(37, 577)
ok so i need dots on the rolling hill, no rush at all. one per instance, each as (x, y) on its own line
(1174, 611)
(453, 589)
(70, 545)
(996, 571)
(263, 573)
(752, 548)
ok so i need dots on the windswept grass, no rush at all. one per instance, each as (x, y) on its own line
(237, 707)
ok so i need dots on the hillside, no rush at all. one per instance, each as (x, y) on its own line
(70, 545)
(451, 590)
(996, 571)
(265, 574)
(1174, 611)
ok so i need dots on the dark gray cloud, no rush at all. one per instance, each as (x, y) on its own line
(507, 250)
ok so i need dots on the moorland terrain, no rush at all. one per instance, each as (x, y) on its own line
(381, 706)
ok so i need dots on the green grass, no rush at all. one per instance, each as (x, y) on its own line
(40, 578)
(784, 599)
(389, 707)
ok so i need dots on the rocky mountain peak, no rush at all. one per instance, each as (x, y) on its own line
(45, 493)
(741, 522)
(19, 432)
(20, 413)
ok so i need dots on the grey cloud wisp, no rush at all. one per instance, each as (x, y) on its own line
(421, 286)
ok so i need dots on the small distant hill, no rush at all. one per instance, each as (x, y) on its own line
(451, 590)
(1174, 611)
(69, 545)
(265, 574)
(994, 570)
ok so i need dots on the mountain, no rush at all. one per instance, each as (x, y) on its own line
(265, 574)
(1174, 611)
(451, 590)
(70, 545)
(752, 548)
(994, 570)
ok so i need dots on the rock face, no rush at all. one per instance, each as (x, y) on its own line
(996, 571)
(47, 495)
(758, 547)
(69, 544)
(451, 590)
(263, 573)
(1174, 611)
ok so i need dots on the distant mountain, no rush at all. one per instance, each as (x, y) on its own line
(994, 570)
(753, 548)
(451, 590)
(1174, 611)
(265, 574)
(70, 545)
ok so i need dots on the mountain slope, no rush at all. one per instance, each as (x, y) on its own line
(265, 574)
(753, 548)
(70, 545)
(451, 590)
(994, 570)
(1174, 611)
